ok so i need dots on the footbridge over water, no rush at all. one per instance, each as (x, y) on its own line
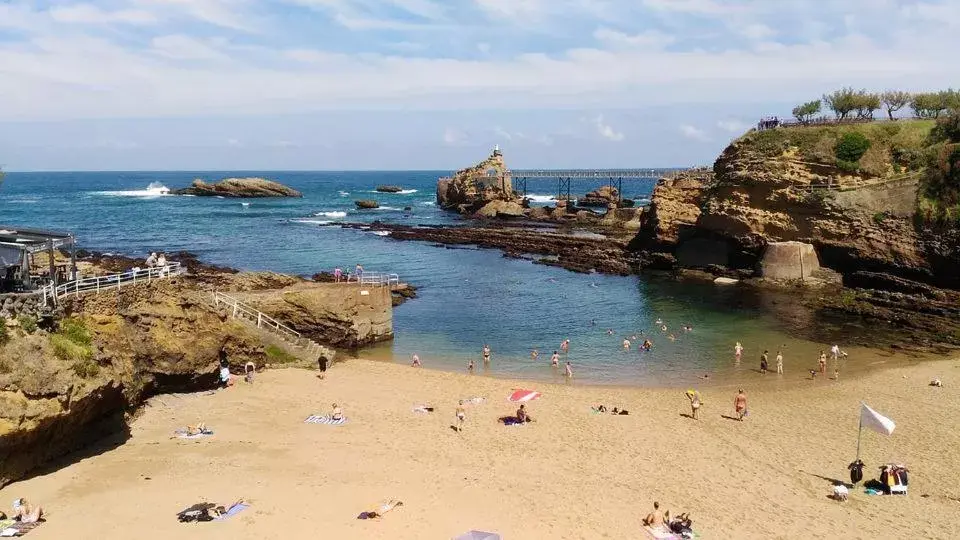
(565, 177)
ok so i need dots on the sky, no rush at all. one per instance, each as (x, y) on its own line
(434, 84)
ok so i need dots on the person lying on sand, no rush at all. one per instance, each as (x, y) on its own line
(25, 512)
(197, 429)
(381, 510)
(655, 518)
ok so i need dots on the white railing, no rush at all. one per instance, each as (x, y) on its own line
(112, 281)
(239, 310)
(375, 278)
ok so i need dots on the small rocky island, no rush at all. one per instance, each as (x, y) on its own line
(366, 204)
(389, 189)
(239, 188)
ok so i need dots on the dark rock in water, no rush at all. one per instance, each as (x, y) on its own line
(366, 204)
(407, 208)
(389, 189)
(600, 197)
(238, 187)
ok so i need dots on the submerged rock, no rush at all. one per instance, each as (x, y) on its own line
(238, 187)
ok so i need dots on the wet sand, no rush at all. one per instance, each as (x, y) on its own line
(571, 474)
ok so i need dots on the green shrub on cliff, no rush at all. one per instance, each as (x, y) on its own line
(4, 333)
(276, 355)
(27, 323)
(851, 147)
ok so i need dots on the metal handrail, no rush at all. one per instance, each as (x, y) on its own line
(112, 281)
(375, 278)
(243, 311)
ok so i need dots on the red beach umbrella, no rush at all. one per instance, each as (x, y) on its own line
(524, 395)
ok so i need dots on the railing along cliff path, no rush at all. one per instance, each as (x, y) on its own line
(240, 311)
(96, 284)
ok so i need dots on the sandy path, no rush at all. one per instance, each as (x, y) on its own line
(572, 474)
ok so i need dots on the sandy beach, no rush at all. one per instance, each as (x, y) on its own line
(571, 474)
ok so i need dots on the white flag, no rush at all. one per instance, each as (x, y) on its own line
(870, 418)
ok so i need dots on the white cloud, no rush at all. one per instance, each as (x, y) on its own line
(606, 130)
(180, 47)
(483, 47)
(650, 39)
(757, 31)
(733, 125)
(230, 14)
(693, 132)
(91, 14)
(511, 9)
(454, 137)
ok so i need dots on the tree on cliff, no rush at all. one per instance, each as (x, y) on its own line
(866, 103)
(842, 102)
(931, 104)
(894, 100)
(804, 113)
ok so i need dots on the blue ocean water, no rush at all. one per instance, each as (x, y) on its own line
(468, 297)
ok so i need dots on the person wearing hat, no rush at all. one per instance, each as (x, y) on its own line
(26, 512)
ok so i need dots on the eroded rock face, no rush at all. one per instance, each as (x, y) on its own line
(673, 212)
(501, 209)
(239, 187)
(470, 189)
(602, 196)
(367, 204)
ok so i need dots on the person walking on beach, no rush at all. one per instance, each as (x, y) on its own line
(358, 270)
(763, 362)
(486, 353)
(337, 274)
(555, 359)
(470, 366)
(695, 403)
(416, 361)
(461, 414)
(740, 404)
(779, 361)
(565, 346)
(322, 365)
(823, 363)
(738, 350)
(568, 371)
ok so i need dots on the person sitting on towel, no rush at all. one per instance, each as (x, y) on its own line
(655, 518)
(337, 413)
(26, 512)
(197, 429)
(522, 415)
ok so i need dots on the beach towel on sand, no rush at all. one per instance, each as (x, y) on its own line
(314, 419)
(381, 510)
(662, 533)
(422, 409)
(18, 528)
(182, 434)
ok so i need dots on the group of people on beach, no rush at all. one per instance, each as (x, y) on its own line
(835, 353)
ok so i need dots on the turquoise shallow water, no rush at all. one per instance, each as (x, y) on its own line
(468, 297)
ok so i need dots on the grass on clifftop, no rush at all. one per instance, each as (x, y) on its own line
(895, 147)
(73, 343)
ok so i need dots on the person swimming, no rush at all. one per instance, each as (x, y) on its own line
(647, 344)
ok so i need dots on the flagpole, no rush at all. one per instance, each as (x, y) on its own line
(859, 432)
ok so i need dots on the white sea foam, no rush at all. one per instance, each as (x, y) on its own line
(344, 193)
(428, 203)
(312, 221)
(331, 214)
(25, 201)
(406, 191)
(155, 189)
(381, 233)
(389, 208)
(541, 198)
(244, 204)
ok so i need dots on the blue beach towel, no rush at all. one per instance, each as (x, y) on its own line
(314, 419)
(234, 510)
(182, 434)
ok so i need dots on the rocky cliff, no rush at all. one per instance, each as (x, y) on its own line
(783, 186)
(470, 189)
(240, 188)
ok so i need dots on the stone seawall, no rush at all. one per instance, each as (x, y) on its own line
(15, 304)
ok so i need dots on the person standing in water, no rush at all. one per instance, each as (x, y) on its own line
(416, 361)
(626, 344)
(470, 366)
(555, 359)
(486, 353)
(738, 350)
(740, 404)
(835, 352)
(568, 371)
(565, 346)
(534, 354)
(823, 363)
(779, 361)
(763, 362)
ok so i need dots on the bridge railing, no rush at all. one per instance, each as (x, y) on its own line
(112, 281)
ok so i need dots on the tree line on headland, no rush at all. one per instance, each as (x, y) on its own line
(849, 104)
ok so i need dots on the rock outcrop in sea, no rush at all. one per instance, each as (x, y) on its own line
(470, 189)
(367, 204)
(239, 188)
(389, 189)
